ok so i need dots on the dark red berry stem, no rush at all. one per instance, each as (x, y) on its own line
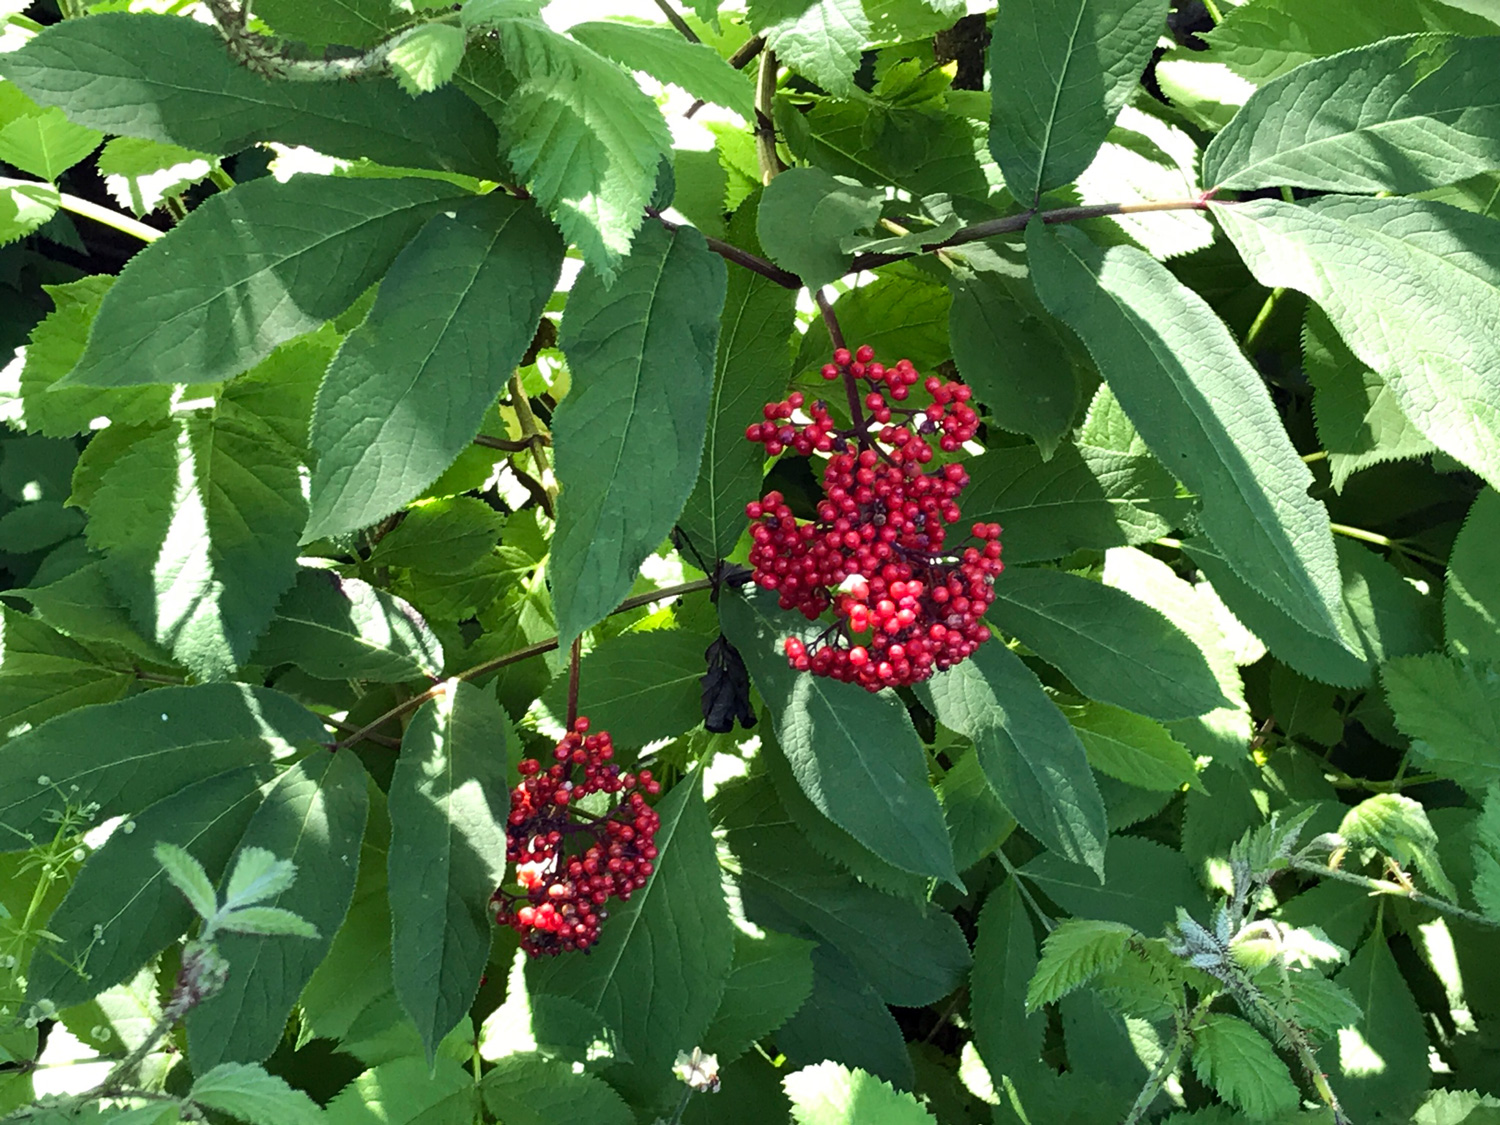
(574, 657)
(851, 385)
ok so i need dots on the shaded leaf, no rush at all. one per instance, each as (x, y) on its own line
(829, 1094)
(804, 217)
(408, 1091)
(1471, 595)
(1451, 711)
(250, 1094)
(771, 979)
(638, 686)
(1382, 1060)
(1007, 1035)
(1144, 885)
(527, 1090)
(1235, 1059)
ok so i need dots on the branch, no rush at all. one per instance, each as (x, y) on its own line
(258, 53)
(479, 670)
(765, 119)
(784, 278)
(1385, 887)
(677, 21)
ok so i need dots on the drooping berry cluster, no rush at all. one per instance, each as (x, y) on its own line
(569, 862)
(906, 603)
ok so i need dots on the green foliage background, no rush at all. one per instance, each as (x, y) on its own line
(359, 357)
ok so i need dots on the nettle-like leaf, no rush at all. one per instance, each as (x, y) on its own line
(447, 854)
(407, 392)
(771, 978)
(43, 674)
(24, 206)
(1365, 261)
(1408, 113)
(121, 757)
(1187, 387)
(1486, 855)
(426, 57)
(250, 269)
(629, 436)
(845, 1021)
(1029, 753)
(1132, 748)
(661, 963)
(1451, 710)
(531, 1088)
(1113, 648)
(806, 215)
(821, 38)
(1398, 827)
(1382, 1060)
(1059, 73)
(856, 756)
(123, 909)
(1471, 592)
(1144, 884)
(669, 58)
(408, 1091)
(582, 136)
(1238, 1062)
(1073, 954)
(352, 23)
(829, 1094)
(313, 819)
(139, 173)
(41, 141)
(137, 75)
(249, 1094)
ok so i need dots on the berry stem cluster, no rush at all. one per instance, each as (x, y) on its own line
(569, 861)
(906, 602)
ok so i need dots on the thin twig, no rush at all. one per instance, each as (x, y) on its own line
(575, 658)
(677, 21)
(785, 278)
(746, 54)
(490, 442)
(1396, 890)
(533, 434)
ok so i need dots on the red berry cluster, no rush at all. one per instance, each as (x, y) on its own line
(564, 886)
(906, 603)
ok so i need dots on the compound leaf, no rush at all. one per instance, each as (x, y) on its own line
(406, 393)
(1188, 388)
(447, 855)
(1367, 260)
(629, 435)
(855, 755)
(1059, 74)
(1033, 760)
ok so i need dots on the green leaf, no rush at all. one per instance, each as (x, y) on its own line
(124, 756)
(53, 349)
(250, 1094)
(267, 921)
(771, 978)
(910, 952)
(1059, 73)
(531, 1023)
(257, 874)
(806, 215)
(1083, 498)
(426, 57)
(856, 756)
(247, 270)
(341, 628)
(1132, 748)
(1382, 1061)
(1264, 39)
(1398, 826)
(750, 369)
(1030, 754)
(821, 38)
(1189, 390)
(531, 1090)
(903, 313)
(1144, 884)
(845, 1021)
(313, 818)
(978, 822)
(1073, 954)
(139, 174)
(1407, 113)
(1235, 1059)
(1013, 357)
(629, 436)
(137, 75)
(188, 876)
(352, 23)
(582, 136)
(1486, 854)
(408, 1091)
(24, 206)
(661, 963)
(1359, 421)
(1114, 648)
(38, 525)
(1451, 709)
(1007, 1035)
(198, 526)
(669, 58)
(454, 316)
(45, 143)
(446, 536)
(1366, 260)
(638, 686)
(122, 909)
(82, 606)
(829, 1094)
(44, 674)
(1471, 596)
(447, 854)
